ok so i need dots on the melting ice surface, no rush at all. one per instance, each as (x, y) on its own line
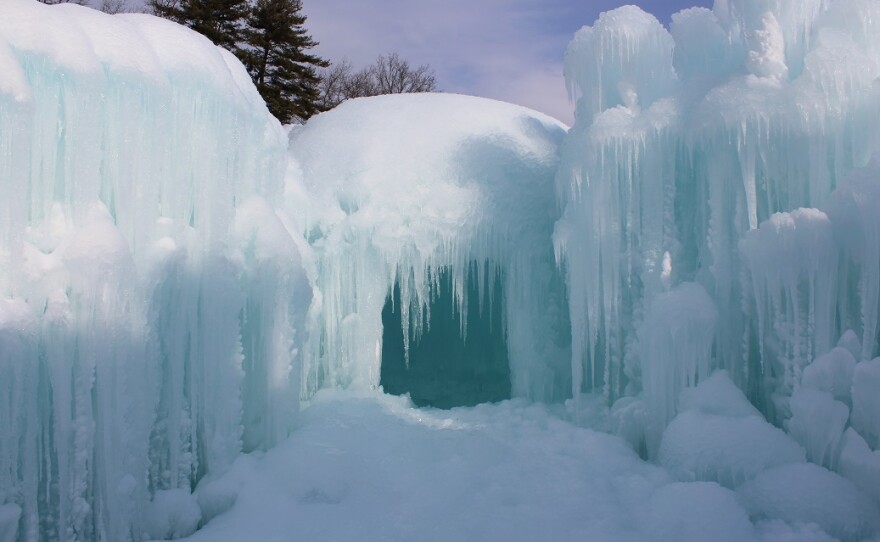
(686, 285)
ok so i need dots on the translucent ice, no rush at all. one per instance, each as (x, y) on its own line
(701, 510)
(859, 464)
(149, 309)
(803, 492)
(817, 423)
(832, 372)
(866, 401)
(722, 449)
(744, 167)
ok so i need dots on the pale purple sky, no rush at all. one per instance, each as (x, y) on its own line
(505, 49)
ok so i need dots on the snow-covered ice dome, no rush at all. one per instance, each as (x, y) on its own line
(396, 191)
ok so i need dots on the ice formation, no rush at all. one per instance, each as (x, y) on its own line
(695, 264)
(149, 297)
(729, 154)
(402, 189)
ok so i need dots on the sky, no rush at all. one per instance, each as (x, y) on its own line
(509, 50)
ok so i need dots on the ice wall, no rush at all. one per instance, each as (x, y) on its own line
(151, 301)
(403, 189)
(700, 158)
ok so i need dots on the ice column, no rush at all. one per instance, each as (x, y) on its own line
(146, 336)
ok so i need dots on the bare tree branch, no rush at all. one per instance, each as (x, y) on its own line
(334, 81)
(390, 74)
(393, 75)
(53, 2)
(115, 6)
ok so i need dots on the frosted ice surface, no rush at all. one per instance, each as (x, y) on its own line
(132, 296)
(833, 371)
(780, 531)
(172, 514)
(717, 395)
(817, 423)
(9, 515)
(723, 449)
(676, 340)
(851, 342)
(806, 493)
(857, 230)
(866, 401)
(792, 267)
(746, 169)
(859, 464)
(695, 511)
(623, 59)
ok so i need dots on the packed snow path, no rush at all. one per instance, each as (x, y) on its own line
(374, 468)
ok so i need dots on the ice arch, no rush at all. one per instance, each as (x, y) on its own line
(416, 190)
(461, 356)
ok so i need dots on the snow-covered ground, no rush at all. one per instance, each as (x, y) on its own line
(375, 468)
(371, 467)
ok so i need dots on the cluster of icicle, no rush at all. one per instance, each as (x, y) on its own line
(719, 200)
(148, 293)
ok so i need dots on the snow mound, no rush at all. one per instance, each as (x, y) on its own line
(780, 531)
(717, 395)
(866, 401)
(695, 511)
(723, 449)
(9, 516)
(860, 464)
(805, 493)
(172, 514)
(832, 372)
(817, 423)
(720, 437)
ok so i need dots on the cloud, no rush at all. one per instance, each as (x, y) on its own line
(506, 49)
(511, 50)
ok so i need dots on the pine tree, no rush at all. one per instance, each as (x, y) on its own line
(275, 54)
(221, 21)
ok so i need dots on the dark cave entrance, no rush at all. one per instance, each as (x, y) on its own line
(445, 369)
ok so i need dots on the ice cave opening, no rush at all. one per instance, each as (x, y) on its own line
(461, 356)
